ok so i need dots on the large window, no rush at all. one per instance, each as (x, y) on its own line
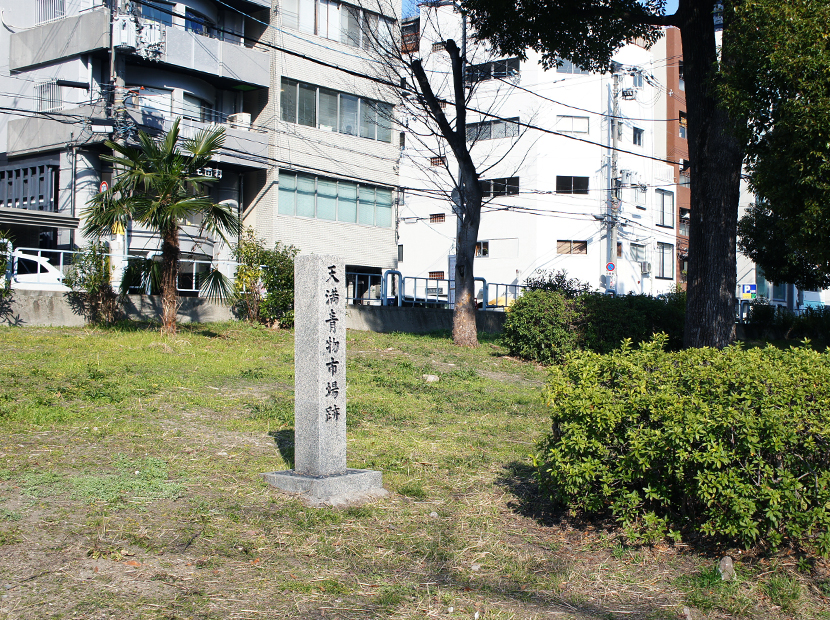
(569, 246)
(315, 106)
(568, 67)
(198, 23)
(571, 185)
(499, 187)
(339, 22)
(665, 261)
(497, 69)
(157, 11)
(490, 130)
(638, 252)
(572, 124)
(683, 125)
(637, 136)
(665, 209)
(306, 195)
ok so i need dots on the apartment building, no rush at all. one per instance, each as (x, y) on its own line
(84, 71)
(569, 164)
(309, 157)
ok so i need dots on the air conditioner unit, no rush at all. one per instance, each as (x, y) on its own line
(628, 93)
(645, 267)
(240, 120)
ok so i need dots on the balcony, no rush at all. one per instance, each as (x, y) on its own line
(199, 52)
(62, 38)
(244, 146)
(34, 134)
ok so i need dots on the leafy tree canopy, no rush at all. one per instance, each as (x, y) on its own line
(587, 32)
(781, 83)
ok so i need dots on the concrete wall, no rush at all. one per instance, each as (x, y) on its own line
(41, 308)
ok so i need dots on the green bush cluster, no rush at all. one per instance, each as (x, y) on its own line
(264, 284)
(734, 444)
(545, 325)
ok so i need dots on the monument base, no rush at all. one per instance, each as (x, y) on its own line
(353, 486)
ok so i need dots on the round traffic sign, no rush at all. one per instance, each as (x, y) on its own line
(104, 186)
(610, 267)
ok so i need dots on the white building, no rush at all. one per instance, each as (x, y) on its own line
(547, 168)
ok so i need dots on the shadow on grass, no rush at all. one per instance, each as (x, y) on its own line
(285, 444)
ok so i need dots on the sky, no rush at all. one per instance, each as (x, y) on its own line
(410, 7)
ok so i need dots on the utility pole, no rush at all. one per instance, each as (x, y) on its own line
(614, 188)
(118, 68)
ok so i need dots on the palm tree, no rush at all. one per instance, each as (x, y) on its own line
(159, 186)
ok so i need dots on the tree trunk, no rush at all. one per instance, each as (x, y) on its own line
(716, 158)
(464, 331)
(169, 281)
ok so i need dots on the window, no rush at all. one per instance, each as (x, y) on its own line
(158, 12)
(665, 209)
(637, 79)
(47, 10)
(49, 96)
(683, 125)
(683, 228)
(439, 46)
(436, 275)
(665, 261)
(482, 249)
(571, 185)
(305, 195)
(498, 69)
(491, 130)
(195, 109)
(315, 106)
(198, 23)
(638, 252)
(681, 76)
(568, 246)
(619, 249)
(761, 282)
(400, 253)
(437, 218)
(640, 193)
(637, 137)
(572, 124)
(779, 292)
(568, 67)
(437, 161)
(347, 24)
(499, 187)
(685, 179)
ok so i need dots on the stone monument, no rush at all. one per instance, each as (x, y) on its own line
(320, 475)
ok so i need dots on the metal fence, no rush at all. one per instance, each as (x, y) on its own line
(391, 288)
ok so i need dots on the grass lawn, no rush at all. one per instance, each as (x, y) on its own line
(130, 487)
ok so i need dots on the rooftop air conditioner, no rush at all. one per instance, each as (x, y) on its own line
(240, 120)
(645, 267)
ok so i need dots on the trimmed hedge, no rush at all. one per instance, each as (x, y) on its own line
(734, 444)
(545, 325)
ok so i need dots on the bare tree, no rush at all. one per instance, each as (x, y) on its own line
(437, 106)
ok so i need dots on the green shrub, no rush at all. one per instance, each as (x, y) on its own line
(545, 325)
(734, 444)
(264, 283)
(610, 320)
(557, 281)
(541, 326)
(90, 280)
